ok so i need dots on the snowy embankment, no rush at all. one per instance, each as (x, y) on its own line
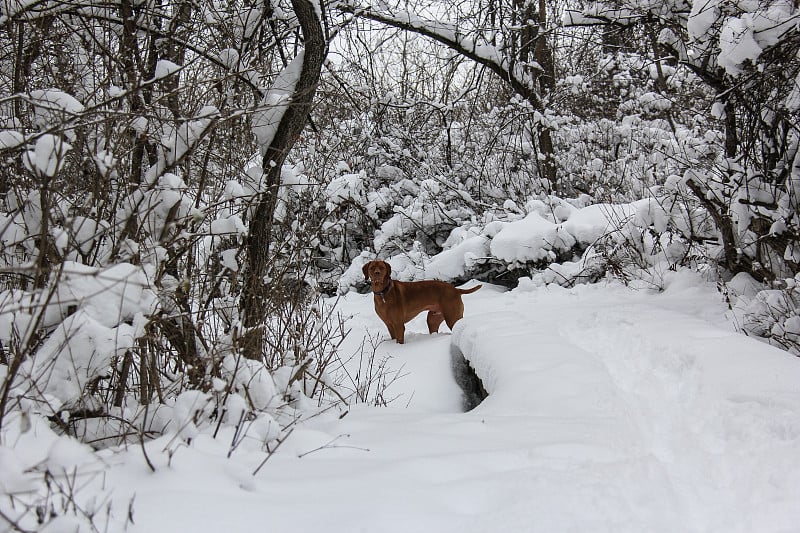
(610, 409)
(639, 415)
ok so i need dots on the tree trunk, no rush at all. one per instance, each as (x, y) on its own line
(547, 82)
(731, 135)
(259, 241)
(543, 53)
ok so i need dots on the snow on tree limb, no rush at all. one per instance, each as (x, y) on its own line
(483, 53)
(598, 15)
(302, 77)
(275, 103)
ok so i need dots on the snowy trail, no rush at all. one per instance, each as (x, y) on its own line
(609, 410)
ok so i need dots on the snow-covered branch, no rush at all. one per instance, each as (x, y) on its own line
(479, 50)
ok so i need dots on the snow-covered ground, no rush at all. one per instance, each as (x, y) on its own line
(609, 409)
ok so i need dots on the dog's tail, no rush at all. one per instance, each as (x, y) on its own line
(470, 290)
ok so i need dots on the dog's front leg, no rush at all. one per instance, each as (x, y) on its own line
(400, 330)
(390, 327)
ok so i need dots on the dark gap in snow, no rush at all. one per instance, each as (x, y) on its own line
(471, 386)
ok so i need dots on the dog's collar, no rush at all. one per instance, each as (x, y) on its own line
(382, 293)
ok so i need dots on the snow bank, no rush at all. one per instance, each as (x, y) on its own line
(697, 424)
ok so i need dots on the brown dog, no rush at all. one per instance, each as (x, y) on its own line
(397, 302)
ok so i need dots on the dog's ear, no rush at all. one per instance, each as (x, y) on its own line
(388, 269)
(364, 270)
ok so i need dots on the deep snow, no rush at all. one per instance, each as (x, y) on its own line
(610, 409)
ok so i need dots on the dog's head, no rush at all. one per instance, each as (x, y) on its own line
(379, 273)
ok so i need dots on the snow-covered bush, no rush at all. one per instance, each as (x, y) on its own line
(552, 240)
(742, 61)
(770, 312)
(129, 190)
(51, 482)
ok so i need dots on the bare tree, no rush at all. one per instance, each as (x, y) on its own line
(292, 122)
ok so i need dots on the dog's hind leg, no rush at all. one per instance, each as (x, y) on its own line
(453, 313)
(434, 321)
